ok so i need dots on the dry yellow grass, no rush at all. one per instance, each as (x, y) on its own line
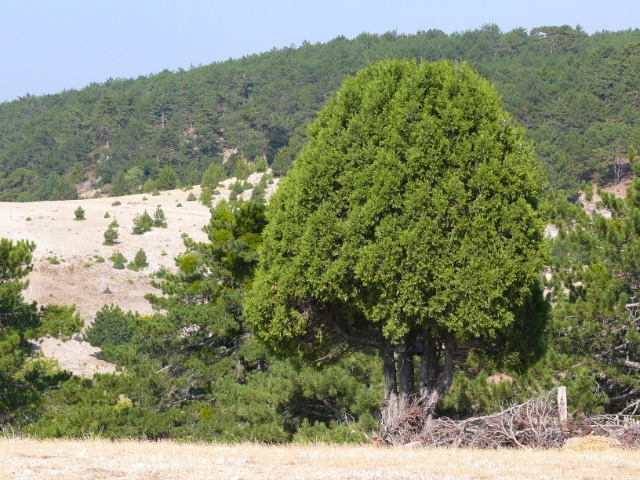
(96, 459)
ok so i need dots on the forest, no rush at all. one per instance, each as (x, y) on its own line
(576, 94)
(281, 327)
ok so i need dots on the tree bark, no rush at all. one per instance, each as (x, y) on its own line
(429, 367)
(390, 409)
(436, 379)
(406, 376)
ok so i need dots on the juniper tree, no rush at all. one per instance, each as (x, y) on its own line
(408, 225)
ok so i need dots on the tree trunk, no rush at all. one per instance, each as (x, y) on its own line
(436, 378)
(399, 377)
(390, 409)
(405, 372)
(429, 368)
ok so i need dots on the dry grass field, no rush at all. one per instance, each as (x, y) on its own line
(96, 459)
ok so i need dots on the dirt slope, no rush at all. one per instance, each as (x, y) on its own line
(67, 260)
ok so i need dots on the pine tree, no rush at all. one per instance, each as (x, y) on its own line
(159, 219)
(142, 223)
(110, 235)
(79, 213)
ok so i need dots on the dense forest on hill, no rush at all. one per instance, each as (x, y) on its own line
(576, 94)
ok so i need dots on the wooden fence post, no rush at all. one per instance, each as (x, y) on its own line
(562, 405)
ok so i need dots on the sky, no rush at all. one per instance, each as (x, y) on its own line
(47, 46)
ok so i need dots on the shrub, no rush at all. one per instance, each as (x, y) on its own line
(110, 235)
(212, 176)
(161, 272)
(142, 223)
(106, 215)
(159, 219)
(139, 261)
(118, 260)
(116, 203)
(191, 197)
(167, 179)
(206, 197)
(260, 163)
(111, 327)
(79, 213)
(60, 321)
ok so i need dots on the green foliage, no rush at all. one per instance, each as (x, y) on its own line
(571, 91)
(193, 370)
(79, 213)
(59, 321)
(206, 197)
(118, 260)
(111, 327)
(260, 164)
(410, 216)
(167, 179)
(212, 176)
(23, 382)
(139, 261)
(116, 203)
(258, 193)
(191, 197)
(159, 218)
(142, 223)
(111, 235)
(594, 283)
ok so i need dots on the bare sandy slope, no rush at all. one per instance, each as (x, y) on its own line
(29, 459)
(80, 277)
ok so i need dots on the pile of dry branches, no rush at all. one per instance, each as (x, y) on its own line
(533, 424)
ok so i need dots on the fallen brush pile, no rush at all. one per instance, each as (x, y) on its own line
(533, 424)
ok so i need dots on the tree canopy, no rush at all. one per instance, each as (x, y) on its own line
(409, 224)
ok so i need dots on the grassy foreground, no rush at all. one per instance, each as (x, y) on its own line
(97, 459)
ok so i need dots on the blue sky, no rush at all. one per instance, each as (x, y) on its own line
(52, 45)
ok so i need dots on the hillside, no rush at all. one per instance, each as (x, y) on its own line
(71, 263)
(576, 94)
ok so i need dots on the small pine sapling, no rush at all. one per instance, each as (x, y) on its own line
(159, 219)
(79, 213)
(142, 223)
(110, 235)
(118, 260)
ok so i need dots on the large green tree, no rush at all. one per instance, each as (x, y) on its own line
(408, 225)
